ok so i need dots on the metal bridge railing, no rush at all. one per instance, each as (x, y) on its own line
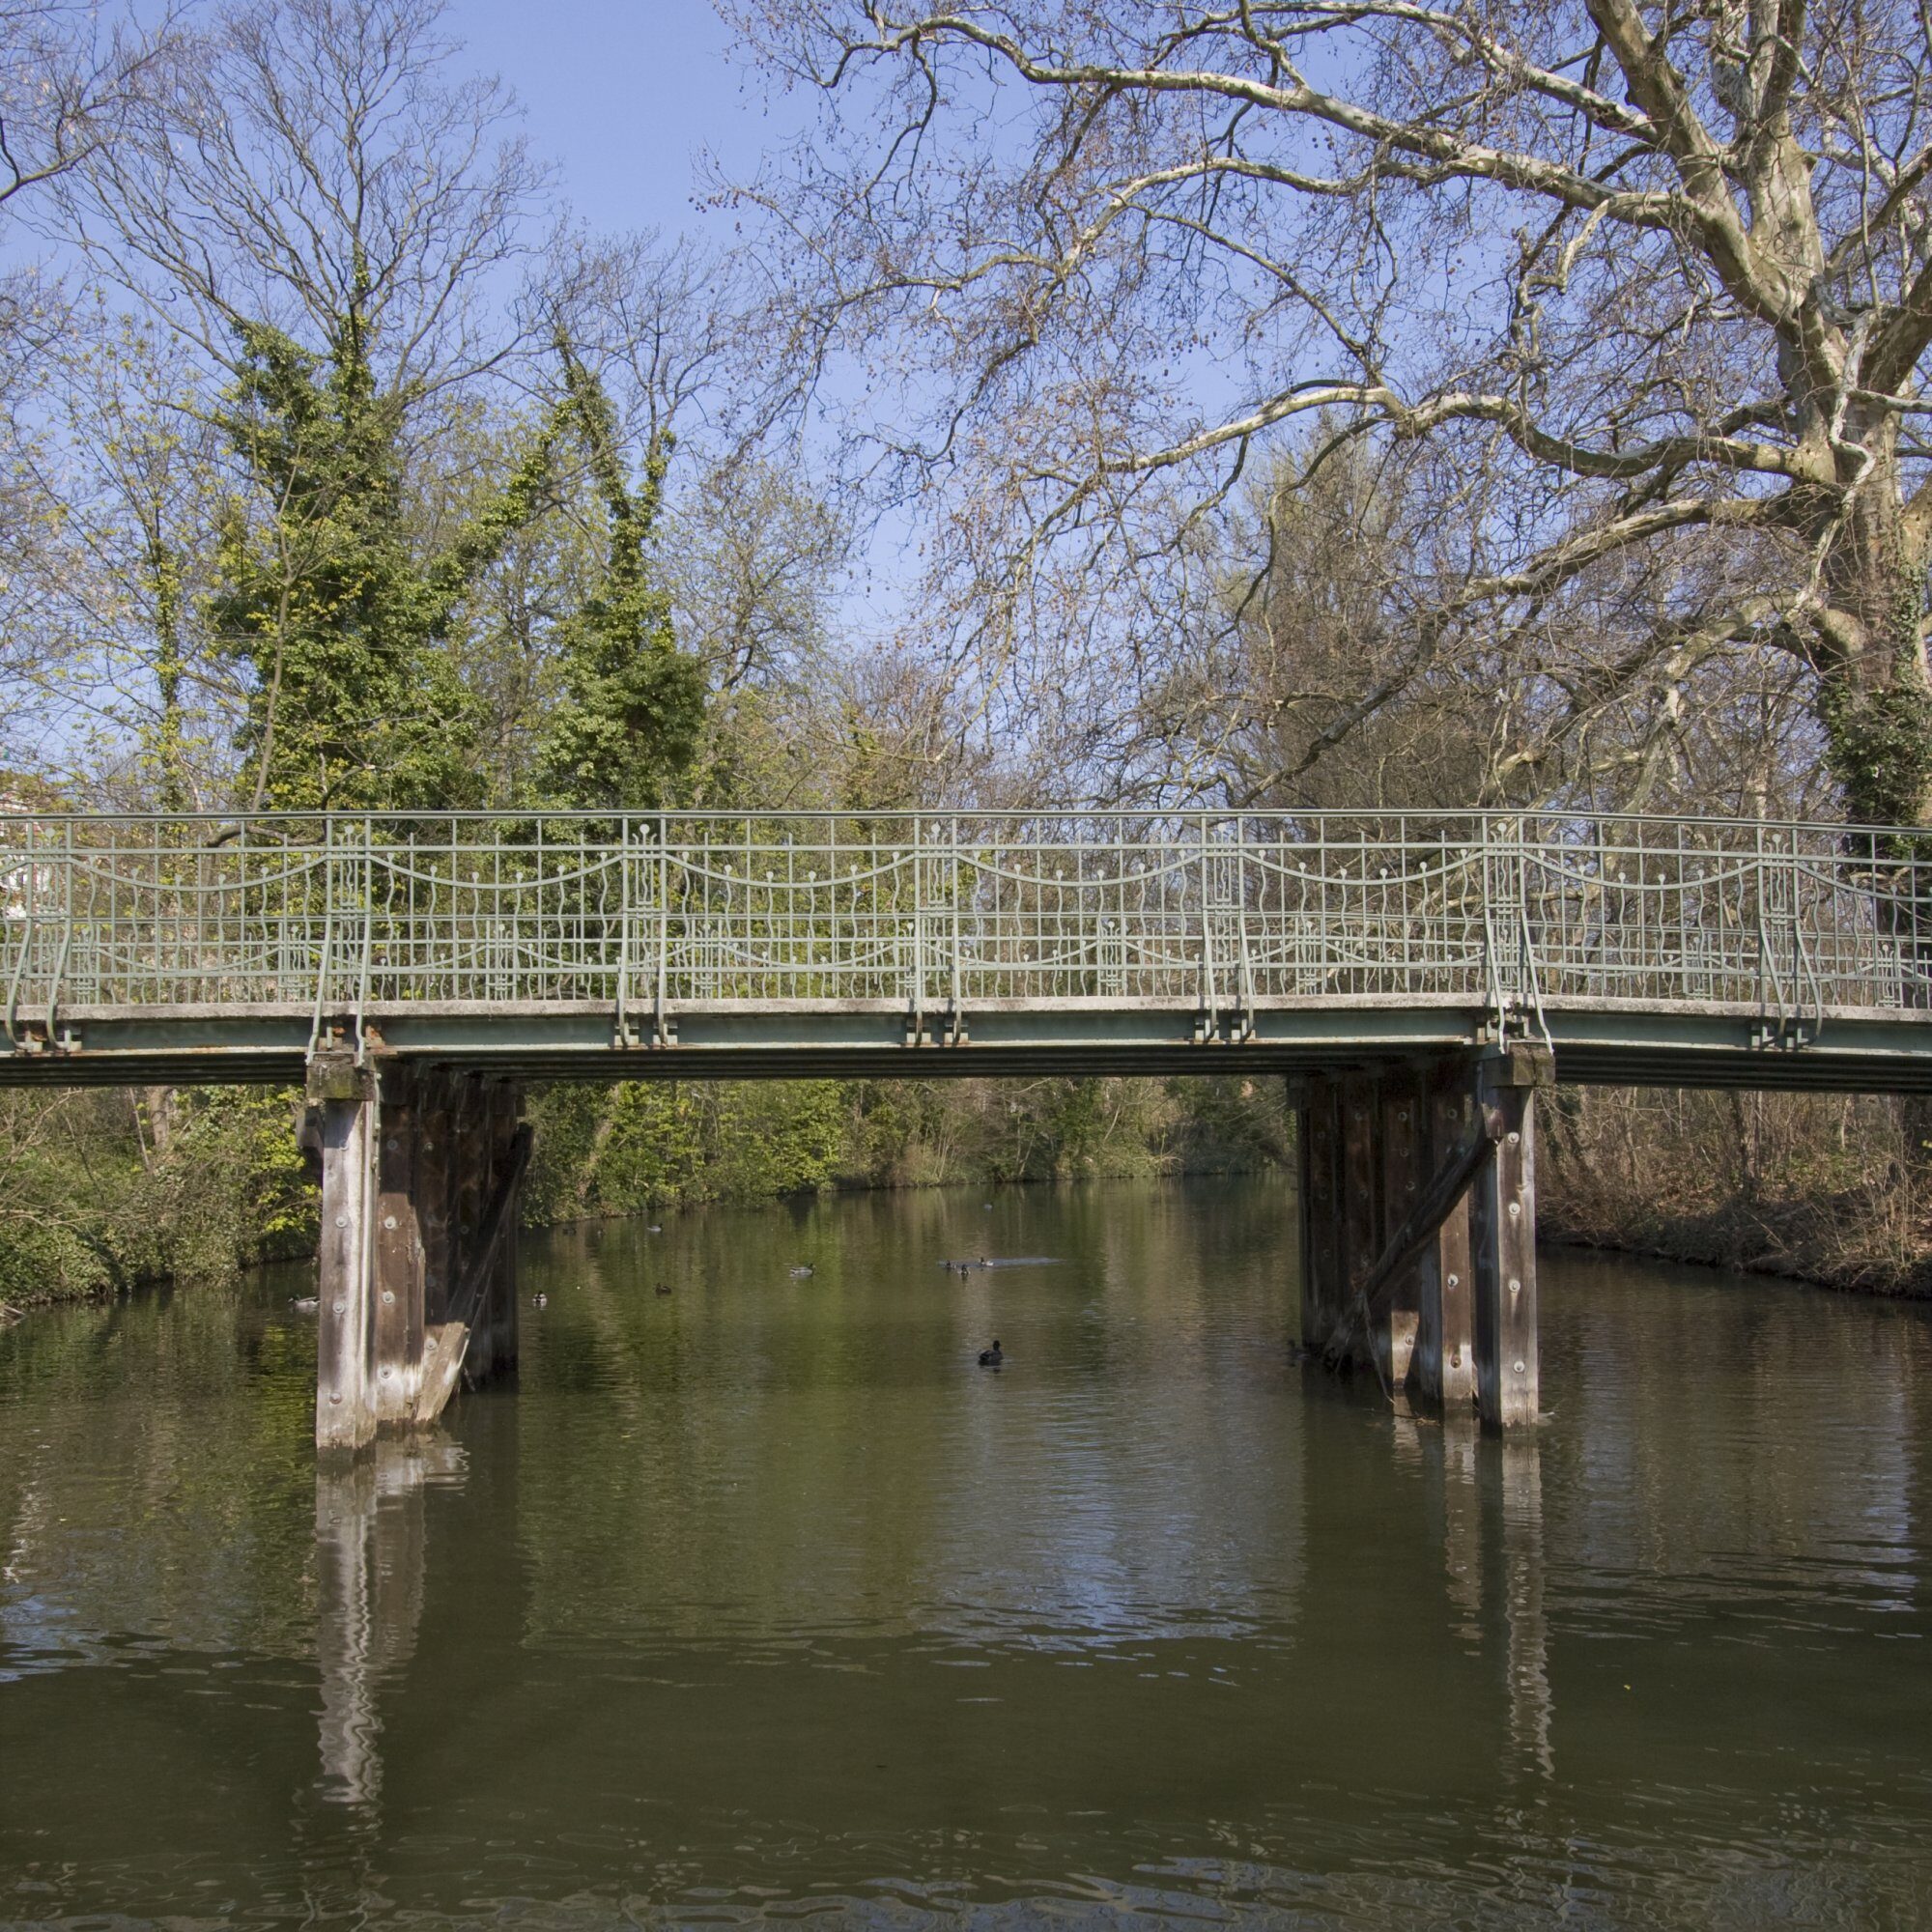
(934, 909)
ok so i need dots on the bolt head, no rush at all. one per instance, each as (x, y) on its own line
(388, 1296)
(340, 1307)
(1515, 1137)
(1516, 1288)
(1455, 1281)
(342, 1220)
(389, 1220)
(337, 1396)
(1519, 1367)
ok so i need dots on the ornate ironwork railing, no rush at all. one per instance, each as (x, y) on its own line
(941, 909)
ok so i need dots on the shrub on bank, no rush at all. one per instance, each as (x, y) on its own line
(1833, 1188)
(105, 1191)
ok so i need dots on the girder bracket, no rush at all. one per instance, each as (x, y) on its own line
(625, 1036)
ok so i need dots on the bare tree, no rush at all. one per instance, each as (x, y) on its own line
(310, 159)
(68, 78)
(1649, 285)
(128, 478)
(320, 173)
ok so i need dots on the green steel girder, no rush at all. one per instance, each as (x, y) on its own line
(1603, 1042)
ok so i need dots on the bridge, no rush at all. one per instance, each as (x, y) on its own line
(1418, 978)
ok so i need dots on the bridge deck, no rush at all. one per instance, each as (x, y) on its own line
(1643, 950)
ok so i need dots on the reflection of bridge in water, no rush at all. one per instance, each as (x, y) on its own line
(1419, 977)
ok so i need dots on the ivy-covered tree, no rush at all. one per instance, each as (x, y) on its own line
(353, 704)
(632, 707)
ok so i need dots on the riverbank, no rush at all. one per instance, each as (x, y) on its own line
(106, 1192)
(1829, 1190)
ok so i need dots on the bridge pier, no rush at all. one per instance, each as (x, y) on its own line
(421, 1174)
(1418, 1228)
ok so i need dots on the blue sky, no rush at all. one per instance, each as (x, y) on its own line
(622, 94)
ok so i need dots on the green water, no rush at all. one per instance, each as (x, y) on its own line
(761, 1600)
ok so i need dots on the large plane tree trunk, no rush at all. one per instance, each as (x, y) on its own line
(1874, 693)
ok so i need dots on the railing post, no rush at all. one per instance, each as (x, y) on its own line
(66, 930)
(368, 936)
(952, 865)
(663, 923)
(1209, 1003)
(918, 935)
(1492, 973)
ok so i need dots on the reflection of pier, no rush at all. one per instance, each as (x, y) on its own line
(1531, 1701)
(369, 1536)
(1487, 1496)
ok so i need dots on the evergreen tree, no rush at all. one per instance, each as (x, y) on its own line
(634, 703)
(319, 590)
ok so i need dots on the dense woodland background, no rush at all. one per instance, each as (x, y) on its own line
(1290, 406)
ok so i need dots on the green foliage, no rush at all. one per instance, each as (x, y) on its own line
(354, 699)
(1880, 748)
(632, 707)
(776, 1137)
(105, 1191)
(611, 1150)
(625, 1150)
(50, 1261)
(622, 1150)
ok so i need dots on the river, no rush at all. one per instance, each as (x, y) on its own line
(760, 1600)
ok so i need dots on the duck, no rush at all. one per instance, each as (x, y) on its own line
(664, 1288)
(304, 1304)
(654, 1229)
(991, 1358)
(799, 1273)
(540, 1302)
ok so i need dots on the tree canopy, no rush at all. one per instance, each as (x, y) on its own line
(1639, 294)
